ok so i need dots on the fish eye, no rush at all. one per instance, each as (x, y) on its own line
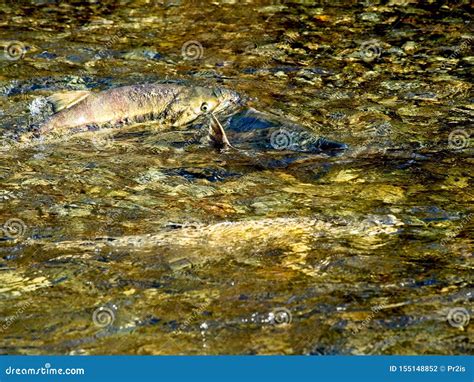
(204, 107)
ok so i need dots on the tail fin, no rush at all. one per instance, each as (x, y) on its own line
(65, 100)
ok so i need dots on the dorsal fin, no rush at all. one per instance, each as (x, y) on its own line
(65, 100)
(217, 135)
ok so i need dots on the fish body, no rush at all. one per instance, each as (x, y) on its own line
(252, 131)
(175, 105)
(170, 104)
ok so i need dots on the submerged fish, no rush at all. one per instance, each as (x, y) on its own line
(176, 105)
(170, 104)
(254, 133)
(198, 243)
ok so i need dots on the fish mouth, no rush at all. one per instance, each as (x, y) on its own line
(230, 102)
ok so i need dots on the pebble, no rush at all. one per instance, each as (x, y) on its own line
(409, 47)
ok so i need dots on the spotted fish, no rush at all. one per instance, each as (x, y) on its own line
(171, 104)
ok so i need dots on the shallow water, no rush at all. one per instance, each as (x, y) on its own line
(136, 242)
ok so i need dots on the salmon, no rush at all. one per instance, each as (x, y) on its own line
(171, 104)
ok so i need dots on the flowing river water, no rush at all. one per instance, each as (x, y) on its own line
(136, 241)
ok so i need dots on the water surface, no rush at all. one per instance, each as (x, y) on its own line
(137, 242)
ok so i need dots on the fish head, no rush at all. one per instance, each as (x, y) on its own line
(199, 101)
